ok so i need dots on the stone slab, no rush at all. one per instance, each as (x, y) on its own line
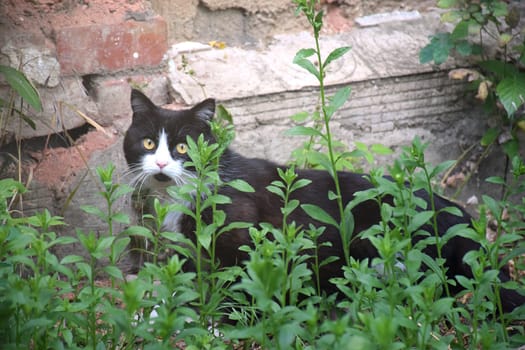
(382, 51)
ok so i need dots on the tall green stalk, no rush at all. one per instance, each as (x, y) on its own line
(328, 107)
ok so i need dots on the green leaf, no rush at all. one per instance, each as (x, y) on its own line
(493, 206)
(319, 214)
(114, 272)
(71, 259)
(319, 158)
(511, 148)
(300, 184)
(498, 180)
(419, 220)
(442, 306)
(19, 82)
(287, 334)
(442, 167)
(204, 237)
(490, 136)
(241, 185)
(300, 117)
(460, 31)
(445, 4)
(305, 53)
(28, 121)
(119, 246)
(334, 55)
(121, 218)
(91, 209)
(85, 270)
(236, 226)
(438, 50)
(276, 190)
(451, 16)
(511, 92)
(104, 243)
(140, 231)
(64, 240)
(223, 114)
(500, 68)
(301, 59)
(499, 9)
(453, 210)
(290, 207)
(300, 130)
(464, 48)
(380, 149)
(338, 100)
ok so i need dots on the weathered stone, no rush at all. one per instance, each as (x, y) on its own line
(39, 64)
(386, 17)
(376, 52)
(390, 111)
(222, 25)
(179, 15)
(112, 96)
(247, 5)
(63, 107)
(111, 47)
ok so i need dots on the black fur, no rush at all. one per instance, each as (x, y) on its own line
(263, 206)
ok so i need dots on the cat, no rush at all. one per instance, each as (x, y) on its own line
(155, 149)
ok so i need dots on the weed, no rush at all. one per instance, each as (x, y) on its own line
(399, 299)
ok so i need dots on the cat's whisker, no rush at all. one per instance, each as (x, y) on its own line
(151, 149)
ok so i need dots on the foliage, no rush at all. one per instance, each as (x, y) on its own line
(491, 35)
(399, 300)
(22, 87)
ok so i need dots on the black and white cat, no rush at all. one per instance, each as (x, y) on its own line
(155, 149)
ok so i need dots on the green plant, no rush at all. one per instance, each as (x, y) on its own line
(277, 277)
(22, 87)
(396, 300)
(328, 107)
(490, 34)
(31, 287)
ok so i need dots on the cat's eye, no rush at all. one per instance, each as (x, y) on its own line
(182, 148)
(148, 144)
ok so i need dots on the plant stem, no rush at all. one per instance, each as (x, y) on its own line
(343, 230)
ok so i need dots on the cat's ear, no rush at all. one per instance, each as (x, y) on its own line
(205, 110)
(140, 103)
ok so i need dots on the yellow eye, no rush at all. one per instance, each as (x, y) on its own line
(148, 144)
(181, 148)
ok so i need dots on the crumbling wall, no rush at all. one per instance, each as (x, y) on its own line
(84, 57)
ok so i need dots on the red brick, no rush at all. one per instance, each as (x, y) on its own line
(101, 48)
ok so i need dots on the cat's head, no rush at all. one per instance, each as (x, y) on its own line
(155, 143)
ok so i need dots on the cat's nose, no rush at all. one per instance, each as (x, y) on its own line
(161, 164)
